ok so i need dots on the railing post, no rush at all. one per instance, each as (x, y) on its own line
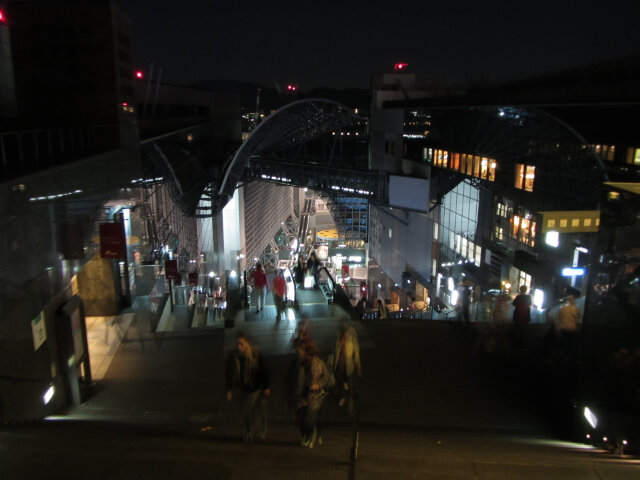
(355, 433)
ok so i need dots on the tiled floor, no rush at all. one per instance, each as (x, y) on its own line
(104, 335)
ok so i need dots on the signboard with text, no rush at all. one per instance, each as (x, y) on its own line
(112, 241)
(171, 270)
(39, 331)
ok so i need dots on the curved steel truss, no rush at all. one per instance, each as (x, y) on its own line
(565, 165)
(294, 124)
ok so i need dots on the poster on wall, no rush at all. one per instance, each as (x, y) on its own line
(171, 270)
(39, 331)
(112, 241)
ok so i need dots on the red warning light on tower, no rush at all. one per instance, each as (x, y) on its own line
(398, 67)
(139, 74)
(292, 88)
(3, 19)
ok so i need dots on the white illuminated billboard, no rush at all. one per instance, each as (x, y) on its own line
(408, 192)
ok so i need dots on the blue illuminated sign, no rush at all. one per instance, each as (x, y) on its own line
(573, 272)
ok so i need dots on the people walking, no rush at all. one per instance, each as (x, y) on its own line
(299, 271)
(247, 380)
(313, 264)
(311, 376)
(260, 286)
(344, 363)
(279, 293)
(382, 309)
(568, 317)
(521, 317)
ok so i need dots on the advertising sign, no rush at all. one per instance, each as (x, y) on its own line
(112, 241)
(39, 331)
(171, 269)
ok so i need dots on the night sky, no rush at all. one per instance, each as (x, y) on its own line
(341, 43)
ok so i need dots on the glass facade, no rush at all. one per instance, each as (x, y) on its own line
(458, 224)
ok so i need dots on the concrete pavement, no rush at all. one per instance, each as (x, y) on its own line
(430, 408)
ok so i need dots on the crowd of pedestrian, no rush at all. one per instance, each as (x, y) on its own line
(311, 381)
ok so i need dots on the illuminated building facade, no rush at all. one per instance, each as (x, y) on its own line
(512, 194)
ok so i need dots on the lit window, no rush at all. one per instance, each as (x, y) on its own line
(563, 223)
(484, 167)
(587, 222)
(525, 176)
(551, 223)
(390, 233)
(478, 256)
(435, 231)
(636, 158)
(492, 171)
(532, 239)
(611, 153)
(456, 161)
(575, 222)
(524, 230)
(519, 176)
(552, 239)
(476, 166)
(499, 234)
(529, 178)
(515, 226)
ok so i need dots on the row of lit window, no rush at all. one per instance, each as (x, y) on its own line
(523, 230)
(575, 222)
(502, 210)
(525, 176)
(605, 152)
(467, 249)
(474, 165)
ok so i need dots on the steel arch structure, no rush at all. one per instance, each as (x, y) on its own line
(294, 124)
(565, 166)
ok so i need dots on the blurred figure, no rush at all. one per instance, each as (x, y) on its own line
(500, 318)
(382, 309)
(344, 362)
(279, 293)
(299, 271)
(311, 377)
(260, 286)
(313, 264)
(568, 317)
(361, 306)
(301, 335)
(521, 317)
(247, 376)
(465, 295)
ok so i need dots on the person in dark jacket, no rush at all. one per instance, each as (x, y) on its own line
(247, 381)
(521, 317)
(309, 381)
(299, 271)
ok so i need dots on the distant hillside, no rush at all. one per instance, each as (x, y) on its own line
(359, 98)
(270, 99)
